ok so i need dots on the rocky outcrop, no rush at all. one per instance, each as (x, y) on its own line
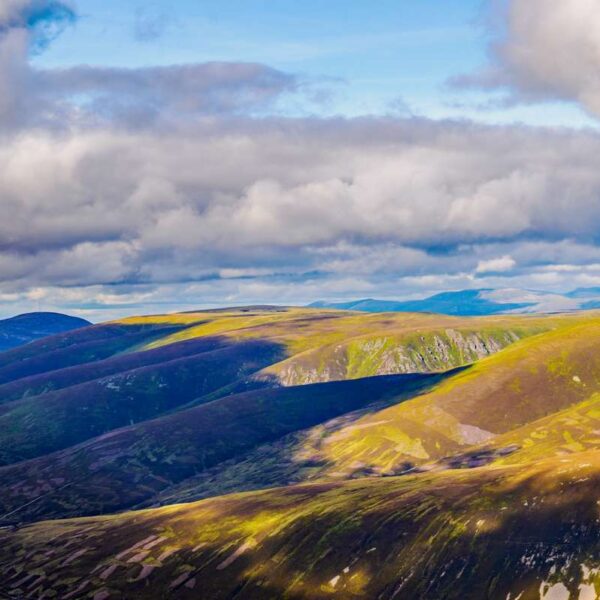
(434, 351)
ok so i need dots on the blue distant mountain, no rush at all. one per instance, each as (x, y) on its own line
(28, 327)
(463, 303)
(593, 292)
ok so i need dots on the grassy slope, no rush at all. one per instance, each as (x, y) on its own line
(131, 465)
(507, 393)
(524, 526)
(124, 372)
(326, 345)
(77, 347)
(529, 532)
(42, 424)
(384, 439)
(531, 379)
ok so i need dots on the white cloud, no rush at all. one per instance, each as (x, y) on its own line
(163, 185)
(496, 265)
(544, 50)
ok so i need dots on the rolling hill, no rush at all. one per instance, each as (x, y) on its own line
(379, 455)
(29, 327)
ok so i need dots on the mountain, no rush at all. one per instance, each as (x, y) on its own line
(64, 390)
(461, 303)
(28, 327)
(480, 302)
(303, 453)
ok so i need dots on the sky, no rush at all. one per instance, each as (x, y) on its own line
(162, 156)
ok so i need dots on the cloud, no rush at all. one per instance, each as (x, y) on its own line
(84, 96)
(138, 97)
(369, 198)
(543, 50)
(496, 265)
(134, 187)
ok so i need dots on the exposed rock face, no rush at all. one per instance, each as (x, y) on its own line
(432, 352)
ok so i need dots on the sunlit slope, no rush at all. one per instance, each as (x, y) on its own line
(131, 465)
(528, 381)
(528, 532)
(574, 429)
(72, 387)
(317, 345)
(327, 345)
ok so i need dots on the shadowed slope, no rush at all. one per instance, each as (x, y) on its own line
(77, 347)
(36, 426)
(70, 376)
(526, 532)
(131, 465)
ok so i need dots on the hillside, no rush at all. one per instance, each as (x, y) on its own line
(132, 465)
(430, 448)
(171, 420)
(64, 390)
(29, 327)
(514, 532)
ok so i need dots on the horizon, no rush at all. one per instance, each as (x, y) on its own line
(202, 154)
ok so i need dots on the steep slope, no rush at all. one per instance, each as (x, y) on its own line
(429, 349)
(527, 532)
(29, 327)
(131, 465)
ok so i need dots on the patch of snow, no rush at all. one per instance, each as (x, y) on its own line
(558, 591)
(587, 592)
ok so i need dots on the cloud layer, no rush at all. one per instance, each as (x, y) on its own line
(148, 186)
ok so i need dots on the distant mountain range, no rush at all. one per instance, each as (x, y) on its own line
(28, 327)
(479, 302)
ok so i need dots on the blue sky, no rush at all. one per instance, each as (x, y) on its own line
(195, 154)
(372, 58)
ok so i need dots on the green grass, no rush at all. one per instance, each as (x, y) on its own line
(484, 533)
